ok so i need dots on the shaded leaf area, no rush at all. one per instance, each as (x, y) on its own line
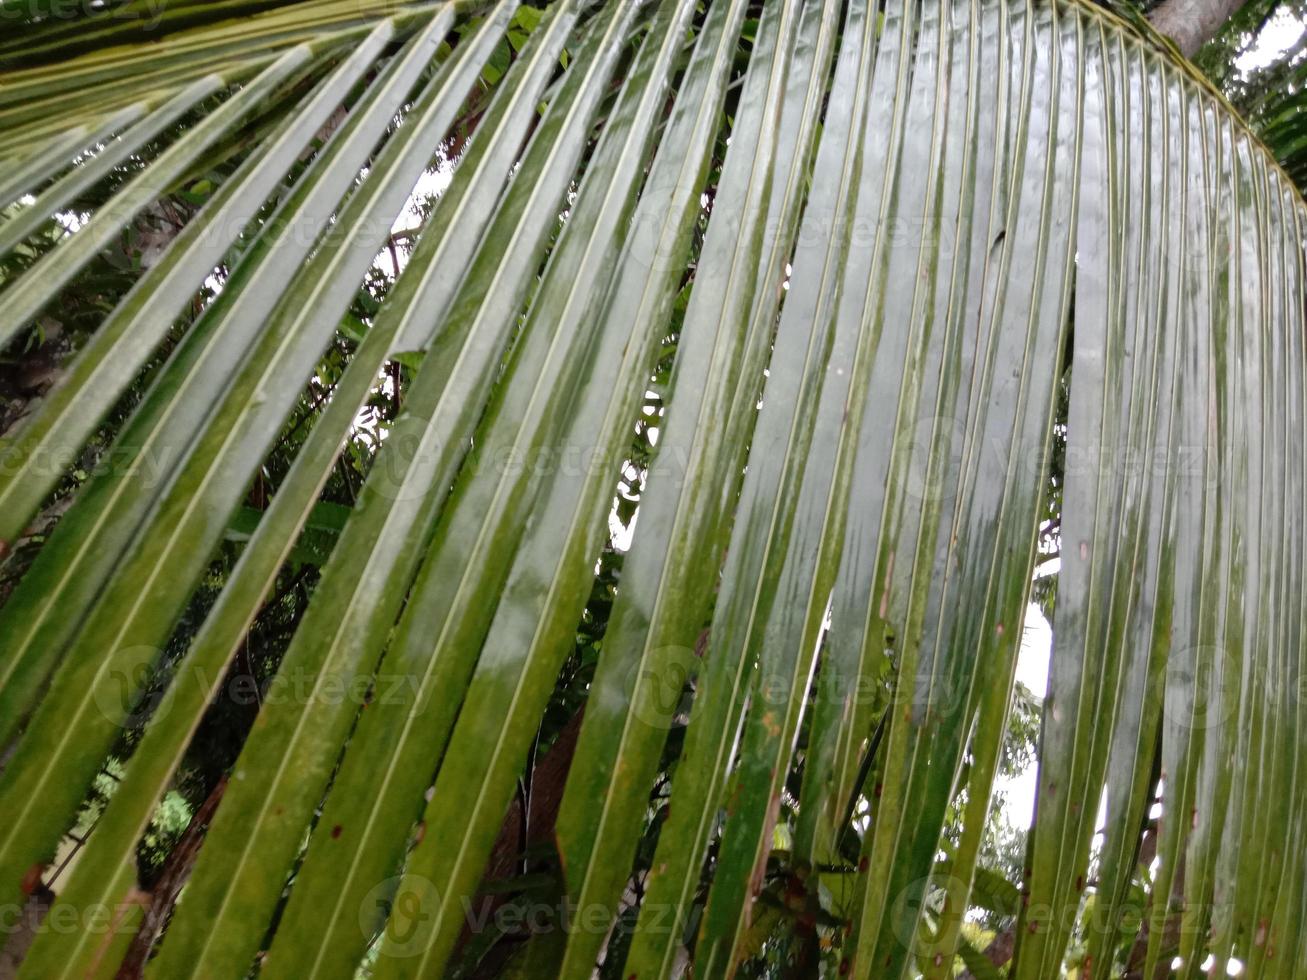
(504, 490)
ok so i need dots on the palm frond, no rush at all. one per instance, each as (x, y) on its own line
(835, 265)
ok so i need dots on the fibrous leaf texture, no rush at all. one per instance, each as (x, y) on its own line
(898, 278)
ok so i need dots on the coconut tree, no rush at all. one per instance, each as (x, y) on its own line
(868, 307)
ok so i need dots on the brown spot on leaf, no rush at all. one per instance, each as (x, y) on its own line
(335, 831)
(863, 864)
(32, 880)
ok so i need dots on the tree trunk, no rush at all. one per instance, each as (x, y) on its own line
(20, 930)
(164, 894)
(1192, 23)
(548, 780)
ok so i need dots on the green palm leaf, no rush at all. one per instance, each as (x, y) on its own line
(700, 435)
